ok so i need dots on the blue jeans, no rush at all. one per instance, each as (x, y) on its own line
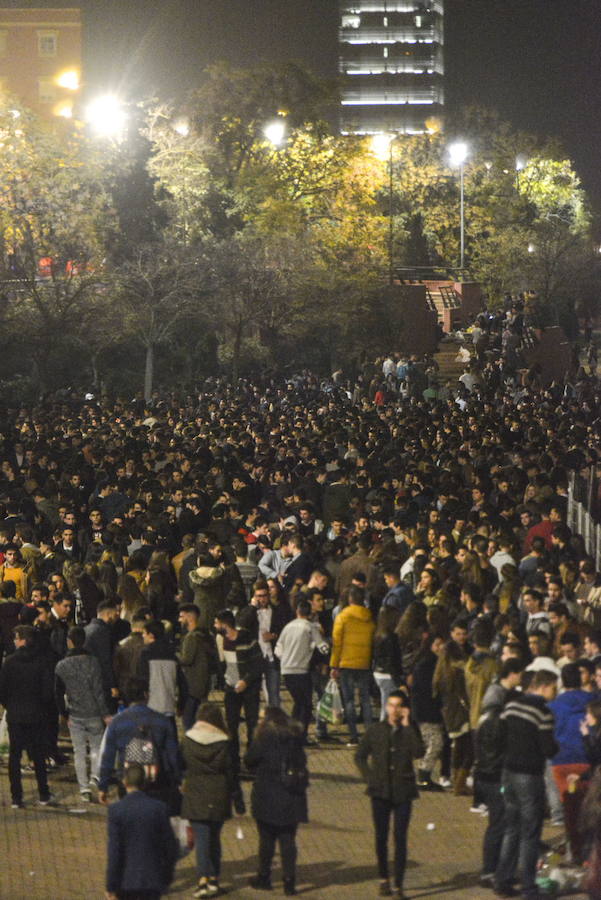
(351, 679)
(85, 731)
(207, 840)
(386, 685)
(524, 798)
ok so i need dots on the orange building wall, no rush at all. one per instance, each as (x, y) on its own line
(22, 66)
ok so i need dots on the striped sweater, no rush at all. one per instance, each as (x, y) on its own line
(528, 734)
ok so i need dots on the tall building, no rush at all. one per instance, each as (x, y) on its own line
(392, 66)
(40, 58)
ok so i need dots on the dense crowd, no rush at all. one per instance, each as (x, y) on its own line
(388, 536)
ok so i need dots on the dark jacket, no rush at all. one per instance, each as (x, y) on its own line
(425, 706)
(197, 656)
(142, 848)
(387, 657)
(489, 736)
(78, 677)
(9, 618)
(271, 752)
(126, 725)
(26, 687)
(126, 659)
(300, 568)
(569, 709)
(385, 759)
(209, 781)
(400, 596)
(99, 642)
(209, 584)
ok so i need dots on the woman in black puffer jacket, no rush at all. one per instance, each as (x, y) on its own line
(279, 794)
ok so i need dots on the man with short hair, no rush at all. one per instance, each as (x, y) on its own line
(126, 656)
(528, 742)
(294, 649)
(243, 672)
(197, 656)
(350, 661)
(99, 642)
(537, 621)
(385, 757)
(25, 690)
(159, 669)
(399, 595)
(142, 847)
(13, 569)
(81, 701)
(139, 719)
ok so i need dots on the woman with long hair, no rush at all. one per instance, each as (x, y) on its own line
(448, 683)
(132, 598)
(387, 661)
(411, 631)
(207, 792)
(279, 794)
(429, 589)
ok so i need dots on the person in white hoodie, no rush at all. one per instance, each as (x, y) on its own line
(294, 649)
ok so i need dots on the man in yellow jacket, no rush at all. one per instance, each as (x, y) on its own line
(352, 645)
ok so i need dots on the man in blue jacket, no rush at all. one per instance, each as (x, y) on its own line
(128, 725)
(142, 848)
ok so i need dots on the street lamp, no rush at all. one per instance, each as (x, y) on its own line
(275, 132)
(381, 146)
(106, 116)
(458, 153)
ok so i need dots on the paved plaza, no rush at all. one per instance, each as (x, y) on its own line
(59, 853)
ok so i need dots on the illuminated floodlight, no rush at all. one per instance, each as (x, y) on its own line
(182, 127)
(106, 116)
(520, 163)
(69, 80)
(458, 153)
(531, 248)
(275, 132)
(380, 145)
(64, 110)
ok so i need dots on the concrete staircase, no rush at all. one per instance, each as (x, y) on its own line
(449, 368)
(442, 296)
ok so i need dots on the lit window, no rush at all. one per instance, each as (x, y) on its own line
(47, 42)
(418, 21)
(46, 90)
(385, 51)
(385, 21)
(351, 21)
(3, 42)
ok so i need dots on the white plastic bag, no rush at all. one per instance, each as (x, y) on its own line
(184, 834)
(330, 705)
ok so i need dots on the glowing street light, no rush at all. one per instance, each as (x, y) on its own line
(381, 144)
(275, 132)
(182, 127)
(106, 116)
(531, 248)
(458, 153)
(520, 163)
(69, 80)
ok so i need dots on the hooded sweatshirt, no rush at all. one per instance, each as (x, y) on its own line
(209, 778)
(352, 638)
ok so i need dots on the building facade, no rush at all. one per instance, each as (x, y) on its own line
(40, 58)
(392, 65)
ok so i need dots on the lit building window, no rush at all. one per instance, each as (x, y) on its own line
(47, 43)
(385, 51)
(351, 21)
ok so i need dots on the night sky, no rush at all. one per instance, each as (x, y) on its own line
(538, 62)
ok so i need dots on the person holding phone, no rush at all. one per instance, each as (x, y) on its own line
(385, 758)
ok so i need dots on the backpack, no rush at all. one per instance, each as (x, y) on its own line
(142, 749)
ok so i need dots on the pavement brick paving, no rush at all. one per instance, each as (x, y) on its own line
(59, 853)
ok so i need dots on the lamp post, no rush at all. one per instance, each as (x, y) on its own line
(381, 145)
(458, 153)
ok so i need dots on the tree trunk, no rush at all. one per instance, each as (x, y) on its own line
(149, 371)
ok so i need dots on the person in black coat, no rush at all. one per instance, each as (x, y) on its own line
(26, 687)
(427, 711)
(209, 788)
(385, 758)
(142, 848)
(279, 794)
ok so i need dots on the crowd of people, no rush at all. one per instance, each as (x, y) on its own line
(402, 546)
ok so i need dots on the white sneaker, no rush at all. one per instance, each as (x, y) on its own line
(444, 782)
(50, 801)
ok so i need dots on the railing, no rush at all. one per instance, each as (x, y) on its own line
(584, 514)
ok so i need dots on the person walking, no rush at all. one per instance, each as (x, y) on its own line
(207, 792)
(197, 657)
(294, 649)
(350, 661)
(387, 660)
(142, 847)
(81, 700)
(528, 742)
(385, 757)
(279, 794)
(25, 690)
